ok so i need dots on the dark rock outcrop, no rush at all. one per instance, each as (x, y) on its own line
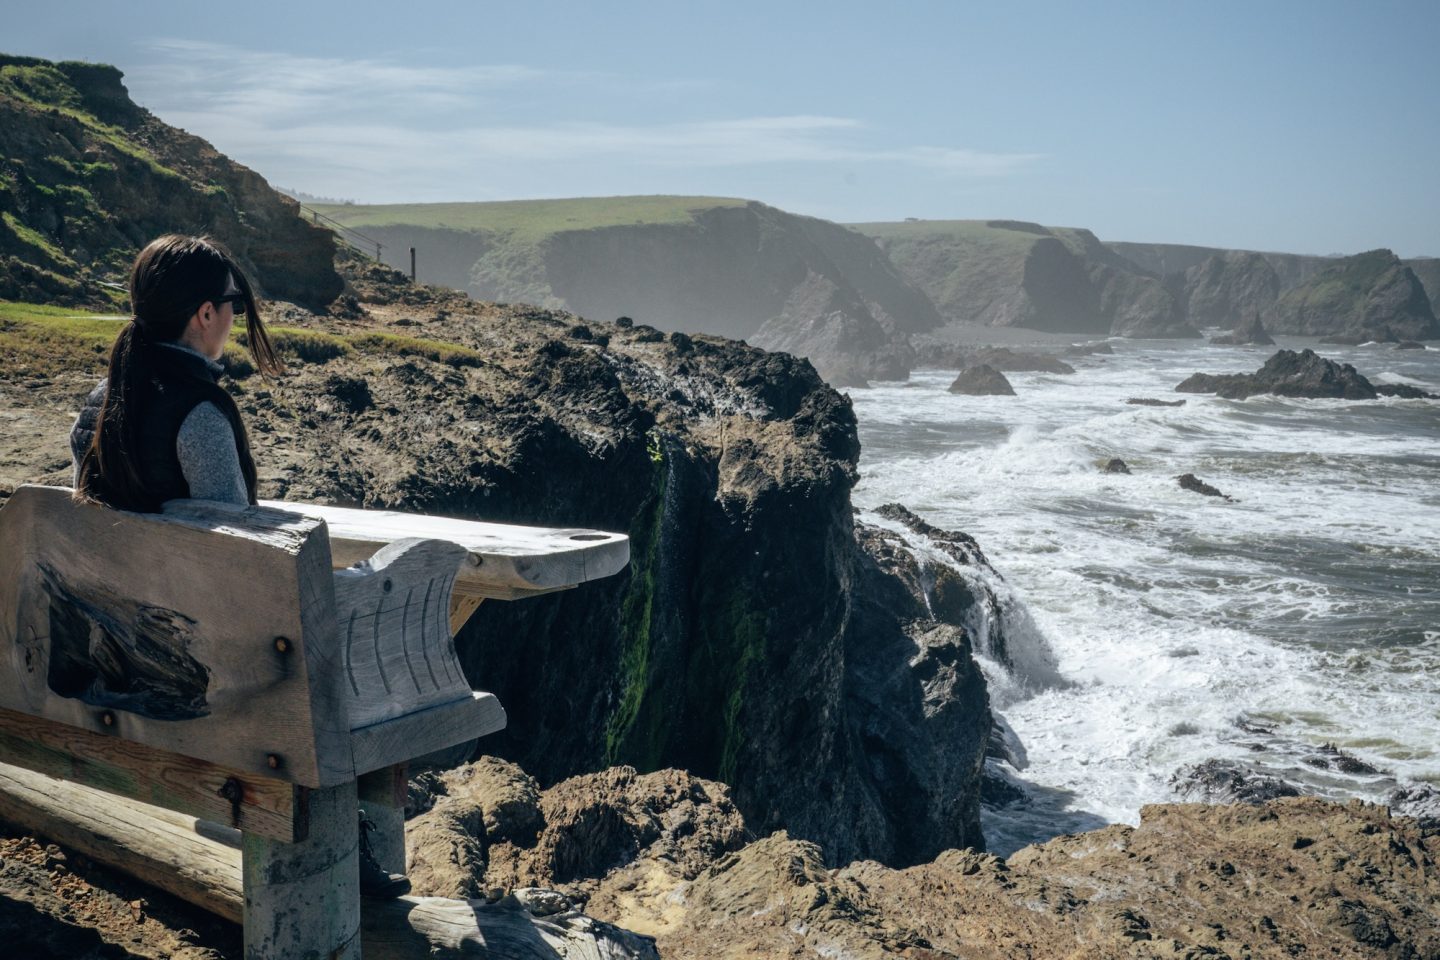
(1250, 332)
(1370, 295)
(81, 168)
(1153, 402)
(1286, 374)
(1188, 481)
(1404, 391)
(1116, 465)
(1225, 781)
(982, 380)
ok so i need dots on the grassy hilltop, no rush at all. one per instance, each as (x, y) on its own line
(531, 220)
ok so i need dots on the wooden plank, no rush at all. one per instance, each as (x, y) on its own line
(175, 854)
(207, 631)
(461, 610)
(303, 899)
(393, 741)
(502, 556)
(392, 614)
(260, 805)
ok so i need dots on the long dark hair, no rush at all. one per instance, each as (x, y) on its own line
(173, 277)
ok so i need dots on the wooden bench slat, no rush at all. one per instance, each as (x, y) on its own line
(266, 807)
(506, 560)
(427, 730)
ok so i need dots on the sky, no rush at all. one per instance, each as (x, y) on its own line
(1306, 127)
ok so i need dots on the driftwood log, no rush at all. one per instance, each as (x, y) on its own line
(199, 862)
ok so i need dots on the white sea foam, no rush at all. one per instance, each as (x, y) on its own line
(1311, 603)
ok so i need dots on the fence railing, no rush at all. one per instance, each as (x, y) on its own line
(349, 234)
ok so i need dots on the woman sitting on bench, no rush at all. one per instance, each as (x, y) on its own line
(160, 427)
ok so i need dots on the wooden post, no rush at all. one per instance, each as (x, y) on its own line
(302, 900)
(382, 796)
(412, 264)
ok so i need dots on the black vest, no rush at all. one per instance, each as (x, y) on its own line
(181, 383)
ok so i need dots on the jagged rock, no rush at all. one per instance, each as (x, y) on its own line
(1188, 481)
(1372, 296)
(1225, 781)
(1251, 332)
(1286, 374)
(1404, 391)
(1116, 465)
(1418, 800)
(981, 381)
(1153, 402)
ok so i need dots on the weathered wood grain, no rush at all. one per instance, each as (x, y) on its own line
(260, 805)
(424, 731)
(303, 899)
(503, 557)
(382, 794)
(183, 615)
(175, 854)
(143, 841)
(392, 618)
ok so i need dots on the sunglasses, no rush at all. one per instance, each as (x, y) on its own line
(236, 301)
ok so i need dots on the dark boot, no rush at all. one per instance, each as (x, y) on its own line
(375, 881)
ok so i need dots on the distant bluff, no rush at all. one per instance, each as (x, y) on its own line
(87, 178)
(1369, 294)
(1009, 273)
(735, 268)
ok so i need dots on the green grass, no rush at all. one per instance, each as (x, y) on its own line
(51, 340)
(45, 340)
(36, 239)
(976, 232)
(527, 219)
(46, 88)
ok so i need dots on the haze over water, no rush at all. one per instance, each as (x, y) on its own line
(1184, 627)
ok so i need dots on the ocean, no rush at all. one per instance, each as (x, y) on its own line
(1151, 628)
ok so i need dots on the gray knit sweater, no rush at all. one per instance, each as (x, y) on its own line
(205, 447)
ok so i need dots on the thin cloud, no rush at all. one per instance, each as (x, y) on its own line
(382, 127)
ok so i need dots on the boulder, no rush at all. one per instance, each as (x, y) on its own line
(1153, 402)
(1404, 391)
(1286, 374)
(982, 380)
(1116, 465)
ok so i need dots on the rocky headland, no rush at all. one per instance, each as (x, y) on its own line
(1009, 273)
(1370, 296)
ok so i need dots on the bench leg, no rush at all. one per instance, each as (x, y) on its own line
(382, 797)
(302, 900)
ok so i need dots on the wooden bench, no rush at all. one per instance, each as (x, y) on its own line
(261, 667)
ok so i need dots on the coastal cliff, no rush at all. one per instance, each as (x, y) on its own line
(1008, 273)
(691, 264)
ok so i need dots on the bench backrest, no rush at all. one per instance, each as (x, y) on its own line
(221, 633)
